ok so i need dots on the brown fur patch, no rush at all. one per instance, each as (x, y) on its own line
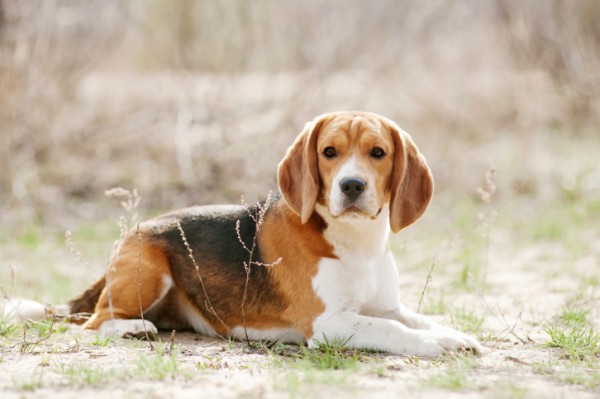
(131, 264)
(300, 247)
(86, 302)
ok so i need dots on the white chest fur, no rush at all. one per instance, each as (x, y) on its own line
(362, 302)
(364, 275)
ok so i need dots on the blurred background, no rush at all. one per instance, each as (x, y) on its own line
(195, 102)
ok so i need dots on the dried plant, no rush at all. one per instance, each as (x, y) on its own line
(257, 213)
(427, 281)
(129, 200)
(138, 285)
(207, 304)
(486, 192)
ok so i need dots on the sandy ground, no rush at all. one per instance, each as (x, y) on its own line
(506, 369)
(516, 308)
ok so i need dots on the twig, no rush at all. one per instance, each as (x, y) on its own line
(512, 329)
(130, 205)
(487, 305)
(26, 344)
(207, 303)
(426, 282)
(138, 284)
(517, 360)
(258, 217)
(172, 341)
(486, 192)
(12, 282)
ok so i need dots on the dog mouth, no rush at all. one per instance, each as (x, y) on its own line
(354, 211)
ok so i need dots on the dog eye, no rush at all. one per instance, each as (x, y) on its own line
(377, 153)
(329, 152)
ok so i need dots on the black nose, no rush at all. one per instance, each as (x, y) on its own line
(353, 187)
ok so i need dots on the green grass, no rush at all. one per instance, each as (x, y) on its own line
(161, 364)
(211, 363)
(468, 321)
(507, 390)
(436, 306)
(455, 375)
(48, 326)
(7, 328)
(330, 363)
(331, 355)
(309, 383)
(102, 341)
(574, 316)
(591, 281)
(578, 343)
(83, 374)
(30, 383)
(573, 334)
(590, 380)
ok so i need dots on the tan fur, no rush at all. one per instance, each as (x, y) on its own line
(412, 182)
(298, 172)
(355, 135)
(300, 247)
(131, 263)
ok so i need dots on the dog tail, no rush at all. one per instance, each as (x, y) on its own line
(23, 310)
(86, 302)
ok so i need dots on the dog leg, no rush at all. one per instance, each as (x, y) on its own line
(365, 332)
(418, 321)
(137, 280)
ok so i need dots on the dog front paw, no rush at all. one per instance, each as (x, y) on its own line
(432, 343)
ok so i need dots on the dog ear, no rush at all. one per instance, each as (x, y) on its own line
(411, 184)
(298, 172)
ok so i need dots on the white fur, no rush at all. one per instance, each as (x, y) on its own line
(286, 335)
(190, 314)
(186, 313)
(361, 296)
(367, 201)
(21, 310)
(128, 327)
(167, 285)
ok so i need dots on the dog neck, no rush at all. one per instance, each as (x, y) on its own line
(356, 237)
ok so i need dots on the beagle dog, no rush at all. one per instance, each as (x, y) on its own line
(310, 265)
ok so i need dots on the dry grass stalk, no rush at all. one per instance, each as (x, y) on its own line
(207, 303)
(12, 282)
(429, 276)
(487, 192)
(257, 213)
(25, 344)
(71, 245)
(510, 329)
(138, 284)
(129, 201)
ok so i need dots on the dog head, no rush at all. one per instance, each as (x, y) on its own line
(354, 164)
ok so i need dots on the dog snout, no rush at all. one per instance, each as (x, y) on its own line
(352, 187)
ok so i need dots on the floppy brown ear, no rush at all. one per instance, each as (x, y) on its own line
(412, 183)
(298, 172)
